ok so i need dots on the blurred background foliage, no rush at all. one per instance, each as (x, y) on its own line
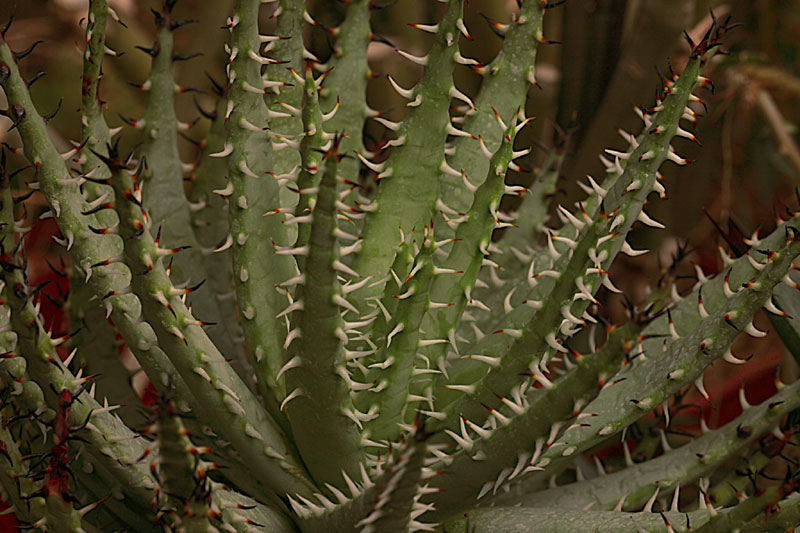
(605, 57)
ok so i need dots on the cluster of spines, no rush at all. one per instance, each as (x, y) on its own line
(200, 364)
(109, 441)
(502, 90)
(558, 245)
(198, 368)
(406, 197)
(511, 443)
(253, 192)
(687, 349)
(572, 268)
(183, 493)
(162, 185)
(658, 477)
(390, 499)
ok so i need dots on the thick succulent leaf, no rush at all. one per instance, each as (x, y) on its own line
(162, 190)
(533, 520)
(506, 81)
(212, 230)
(699, 336)
(311, 149)
(252, 193)
(389, 502)
(788, 327)
(395, 367)
(318, 404)
(635, 485)
(785, 517)
(488, 457)
(94, 130)
(406, 194)
(345, 90)
(563, 286)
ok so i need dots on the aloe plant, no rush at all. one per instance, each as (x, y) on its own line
(340, 339)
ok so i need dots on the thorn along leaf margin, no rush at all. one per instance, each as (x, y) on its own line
(337, 337)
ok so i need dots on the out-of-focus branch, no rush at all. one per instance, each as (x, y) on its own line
(786, 145)
(758, 85)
